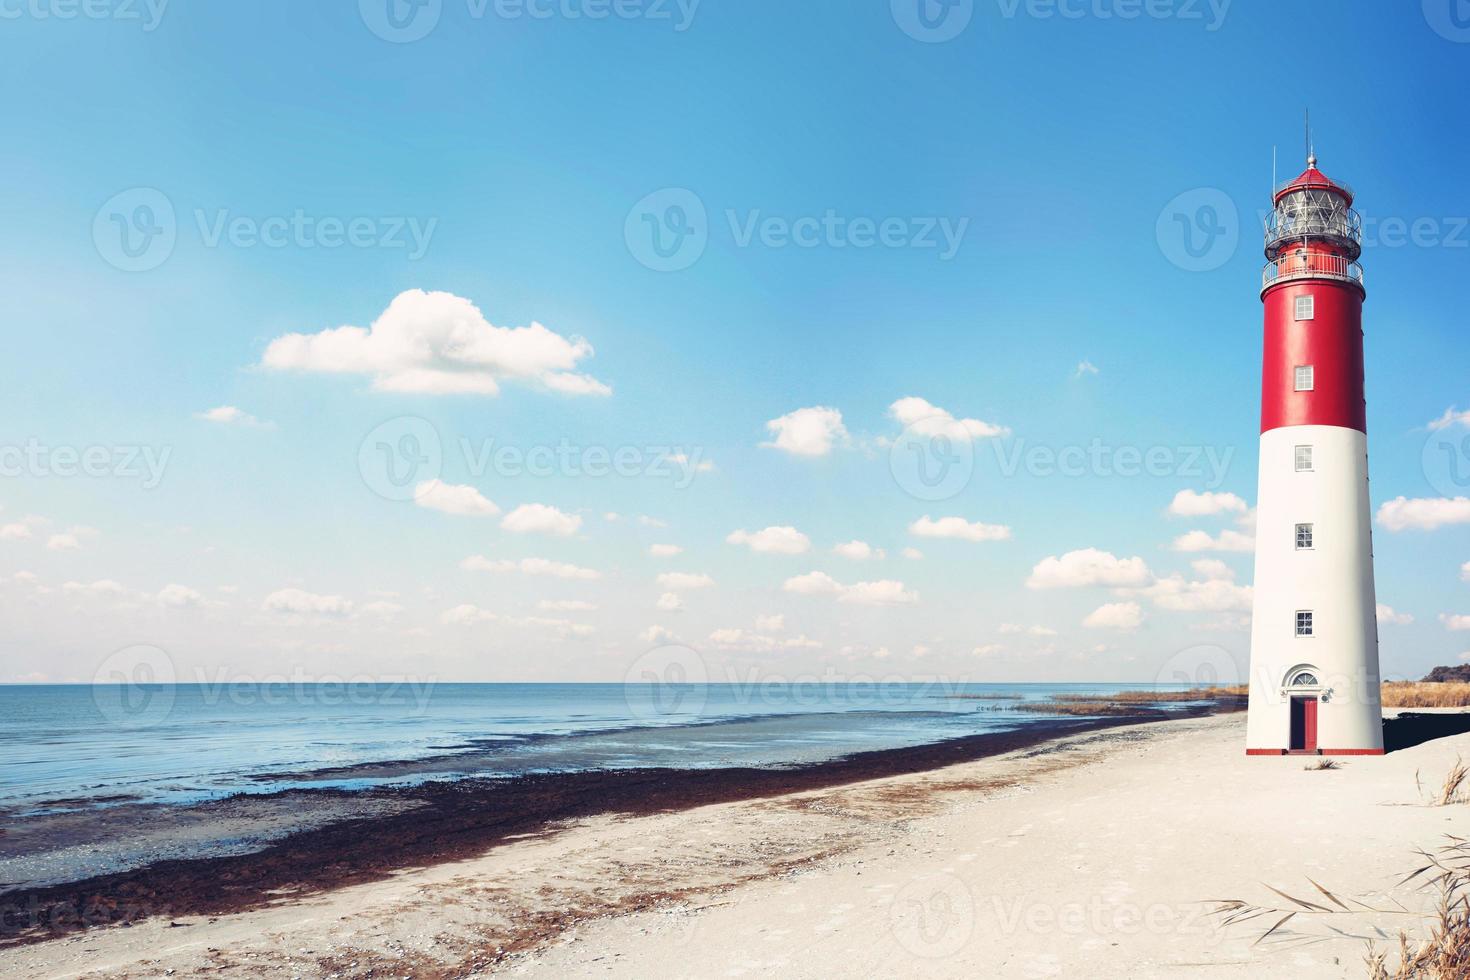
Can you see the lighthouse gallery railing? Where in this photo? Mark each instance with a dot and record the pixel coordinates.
(1311, 265)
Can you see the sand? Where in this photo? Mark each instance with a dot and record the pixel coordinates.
(1094, 856)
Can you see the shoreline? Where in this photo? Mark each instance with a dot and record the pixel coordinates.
(1104, 852)
(362, 836)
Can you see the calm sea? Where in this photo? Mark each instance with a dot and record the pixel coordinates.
(79, 745)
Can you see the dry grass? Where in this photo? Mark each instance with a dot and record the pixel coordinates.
(1322, 765)
(1453, 789)
(1100, 707)
(1442, 954)
(1160, 697)
(1445, 953)
(1420, 694)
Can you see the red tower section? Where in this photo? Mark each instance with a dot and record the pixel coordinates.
(1313, 295)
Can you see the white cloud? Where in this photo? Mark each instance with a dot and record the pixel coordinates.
(1451, 416)
(887, 592)
(101, 588)
(1226, 540)
(881, 593)
(1213, 568)
(958, 528)
(457, 499)
(1187, 503)
(807, 431)
(179, 596)
(1224, 624)
(1084, 368)
(987, 649)
(775, 623)
(382, 609)
(1016, 629)
(857, 551)
(670, 602)
(647, 521)
(1088, 566)
(467, 615)
(565, 605)
(747, 642)
(1424, 513)
(665, 550)
(691, 464)
(772, 540)
(63, 542)
(1212, 595)
(924, 419)
(684, 581)
(529, 566)
(541, 519)
(1465, 572)
(439, 343)
(472, 615)
(1456, 623)
(301, 603)
(17, 530)
(813, 583)
(913, 554)
(1388, 616)
(1125, 616)
(657, 634)
(230, 415)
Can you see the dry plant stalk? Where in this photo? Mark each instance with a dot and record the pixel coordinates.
(1443, 954)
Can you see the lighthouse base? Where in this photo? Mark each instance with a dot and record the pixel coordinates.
(1314, 752)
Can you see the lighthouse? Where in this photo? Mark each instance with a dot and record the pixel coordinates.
(1314, 634)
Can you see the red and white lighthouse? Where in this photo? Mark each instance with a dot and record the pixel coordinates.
(1314, 634)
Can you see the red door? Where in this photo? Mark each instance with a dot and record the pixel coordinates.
(1304, 724)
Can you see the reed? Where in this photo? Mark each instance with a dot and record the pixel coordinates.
(1441, 951)
(1422, 694)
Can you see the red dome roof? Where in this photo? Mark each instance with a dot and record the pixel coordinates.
(1313, 179)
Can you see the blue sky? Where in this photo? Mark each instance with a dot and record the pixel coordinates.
(513, 160)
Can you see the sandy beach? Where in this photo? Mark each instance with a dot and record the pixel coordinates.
(1099, 854)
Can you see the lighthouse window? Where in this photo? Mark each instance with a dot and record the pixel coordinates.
(1306, 377)
(1304, 537)
(1306, 307)
(1304, 623)
(1304, 459)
